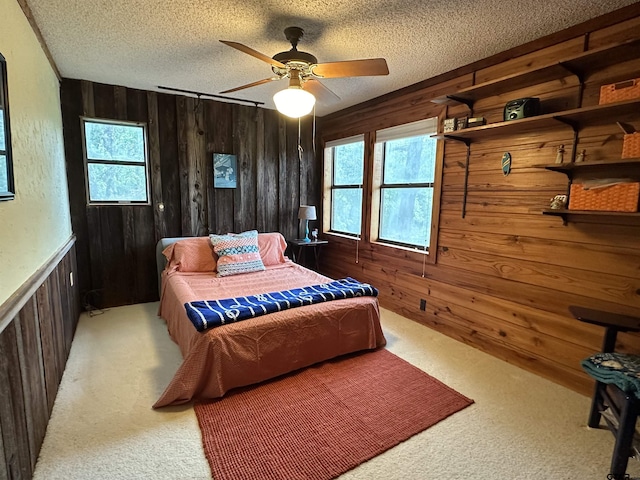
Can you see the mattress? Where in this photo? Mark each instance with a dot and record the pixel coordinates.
(257, 349)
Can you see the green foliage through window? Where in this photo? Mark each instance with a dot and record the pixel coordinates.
(406, 191)
(4, 183)
(2, 141)
(346, 210)
(106, 141)
(409, 160)
(346, 190)
(116, 162)
(120, 183)
(405, 215)
(348, 164)
(403, 184)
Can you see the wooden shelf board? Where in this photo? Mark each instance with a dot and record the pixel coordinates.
(567, 167)
(578, 117)
(504, 84)
(601, 114)
(597, 217)
(492, 130)
(594, 213)
(583, 65)
(597, 59)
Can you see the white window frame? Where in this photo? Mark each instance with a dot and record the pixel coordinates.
(329, 186)
(429, 127)
(87, 161)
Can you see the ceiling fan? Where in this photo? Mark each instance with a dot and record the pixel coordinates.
(303, 71)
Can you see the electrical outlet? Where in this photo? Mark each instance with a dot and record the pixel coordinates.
(71, 279)
(423, 304)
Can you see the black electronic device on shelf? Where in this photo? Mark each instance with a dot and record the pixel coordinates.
(521, 108)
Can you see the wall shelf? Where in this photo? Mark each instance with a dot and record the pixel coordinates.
(582, 65)
(591, 216)
(628, 168)
(570, 167)
(576, 118)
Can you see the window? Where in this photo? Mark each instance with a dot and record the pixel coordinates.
(115, 155)
(344, 171)
(7, 190)
(404, 170)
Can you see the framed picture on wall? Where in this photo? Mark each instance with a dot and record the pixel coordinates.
(225, 168)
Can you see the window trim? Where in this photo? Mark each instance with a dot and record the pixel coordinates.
(329, 186)
(86, 162)
(396, 132)
(10, 193)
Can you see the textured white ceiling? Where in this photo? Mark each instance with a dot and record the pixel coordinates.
(147, 43)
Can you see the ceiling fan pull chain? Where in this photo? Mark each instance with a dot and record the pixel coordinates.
(300, 150)
(313, 132)
(424, 261)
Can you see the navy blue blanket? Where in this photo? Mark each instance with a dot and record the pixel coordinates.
(206, 314)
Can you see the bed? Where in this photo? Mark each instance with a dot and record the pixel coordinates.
(256, 349)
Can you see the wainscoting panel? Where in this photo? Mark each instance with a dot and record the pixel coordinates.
(37, 325)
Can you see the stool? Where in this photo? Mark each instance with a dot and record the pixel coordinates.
(624, 406)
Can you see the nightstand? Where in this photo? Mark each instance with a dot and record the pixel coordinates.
(299, 250)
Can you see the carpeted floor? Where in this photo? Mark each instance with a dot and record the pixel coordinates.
(520, 427)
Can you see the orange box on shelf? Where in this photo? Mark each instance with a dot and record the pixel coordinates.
(621, 197)
(631, 145)
(618, 92)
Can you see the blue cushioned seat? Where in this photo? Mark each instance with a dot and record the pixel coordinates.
(619, 369)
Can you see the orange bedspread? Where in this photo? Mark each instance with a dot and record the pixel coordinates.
(261, 348)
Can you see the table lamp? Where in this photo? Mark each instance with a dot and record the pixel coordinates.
(306, 213)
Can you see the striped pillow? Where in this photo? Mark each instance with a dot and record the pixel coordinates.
(238, 253)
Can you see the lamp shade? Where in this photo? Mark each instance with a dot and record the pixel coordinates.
(294, 102)
(307, 212)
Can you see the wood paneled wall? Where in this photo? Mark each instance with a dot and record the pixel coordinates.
(116, 244)
(37, 325)
(504, 274)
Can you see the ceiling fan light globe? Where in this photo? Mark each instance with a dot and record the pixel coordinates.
(294, 102)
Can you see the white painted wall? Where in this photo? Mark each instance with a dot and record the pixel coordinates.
(37, 223)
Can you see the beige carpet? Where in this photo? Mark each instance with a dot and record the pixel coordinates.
(520, 427)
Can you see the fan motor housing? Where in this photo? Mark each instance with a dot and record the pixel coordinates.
(295, 55)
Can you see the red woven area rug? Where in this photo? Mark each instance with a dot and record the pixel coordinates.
(320, 422)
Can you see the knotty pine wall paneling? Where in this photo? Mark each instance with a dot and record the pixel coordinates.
(116, 244)
(504, 274)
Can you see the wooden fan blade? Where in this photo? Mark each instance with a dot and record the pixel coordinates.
(320, 91)
(254, 84)
(351, 68)
(254, 53)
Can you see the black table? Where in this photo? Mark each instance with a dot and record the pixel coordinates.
(613, 323)
(299, 248)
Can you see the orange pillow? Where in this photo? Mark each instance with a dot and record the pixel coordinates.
(191, 255)
(272, 247)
